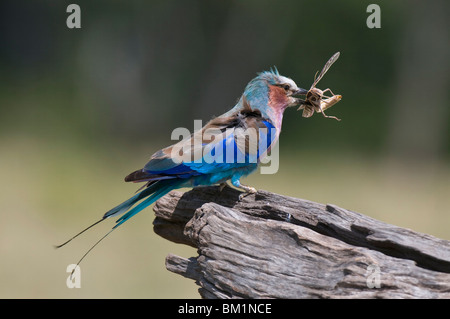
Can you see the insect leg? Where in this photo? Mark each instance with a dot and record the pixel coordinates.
(329, 90)
(327, 116)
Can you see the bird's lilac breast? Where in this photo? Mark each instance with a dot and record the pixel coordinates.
(278, 102)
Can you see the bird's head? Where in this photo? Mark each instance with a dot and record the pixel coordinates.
(272, 91)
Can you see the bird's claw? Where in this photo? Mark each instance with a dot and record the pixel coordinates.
(222, 186)
(248, 191)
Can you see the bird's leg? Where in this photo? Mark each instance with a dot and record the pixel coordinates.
(248, 189)
(222, 186)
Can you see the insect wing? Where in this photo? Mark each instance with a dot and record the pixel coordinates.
(326, 68)
(308, 111)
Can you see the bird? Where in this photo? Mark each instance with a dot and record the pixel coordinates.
(228, 148)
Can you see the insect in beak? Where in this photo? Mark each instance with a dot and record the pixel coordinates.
(316, 101)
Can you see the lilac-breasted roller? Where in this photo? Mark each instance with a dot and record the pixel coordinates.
(228, 147)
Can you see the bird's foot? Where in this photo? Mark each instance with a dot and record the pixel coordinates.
(222, 186)
(248, 191)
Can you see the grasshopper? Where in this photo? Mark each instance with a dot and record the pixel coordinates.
(315, 100)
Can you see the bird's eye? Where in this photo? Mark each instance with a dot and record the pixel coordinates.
(286, 87)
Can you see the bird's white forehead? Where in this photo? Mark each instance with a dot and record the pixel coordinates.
(285, 80)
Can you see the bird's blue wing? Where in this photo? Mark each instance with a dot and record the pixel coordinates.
(225, 143)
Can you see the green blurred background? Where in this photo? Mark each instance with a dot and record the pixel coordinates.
(82, 108)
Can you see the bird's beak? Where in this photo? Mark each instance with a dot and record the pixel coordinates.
(300, 91)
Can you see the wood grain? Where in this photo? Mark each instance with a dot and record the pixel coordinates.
(273, 246)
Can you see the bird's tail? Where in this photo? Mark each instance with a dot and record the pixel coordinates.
(158, 190)
(146, 197)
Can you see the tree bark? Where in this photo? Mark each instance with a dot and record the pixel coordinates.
(273, 246)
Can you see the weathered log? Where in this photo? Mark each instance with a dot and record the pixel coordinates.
(272, 246)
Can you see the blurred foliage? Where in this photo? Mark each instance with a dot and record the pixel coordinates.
(82, 108)
(140, 68)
